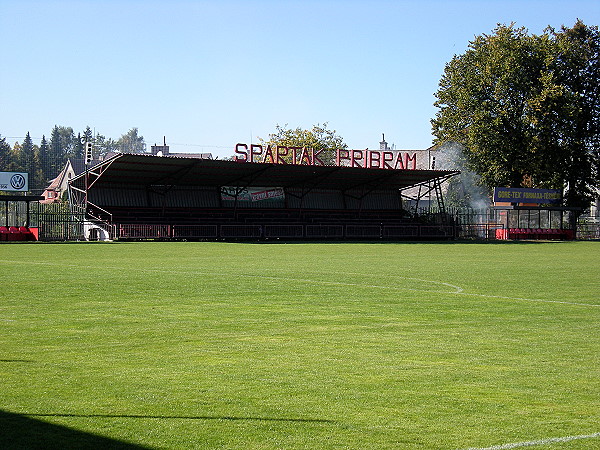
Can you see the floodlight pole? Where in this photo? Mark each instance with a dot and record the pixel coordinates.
(85, 195)
(88, 156)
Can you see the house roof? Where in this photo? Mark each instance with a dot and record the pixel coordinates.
(148, 170)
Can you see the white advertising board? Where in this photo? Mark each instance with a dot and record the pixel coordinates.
(14, 181)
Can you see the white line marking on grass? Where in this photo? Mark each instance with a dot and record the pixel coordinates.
(457, 289)
(539, 442)
(527, 299)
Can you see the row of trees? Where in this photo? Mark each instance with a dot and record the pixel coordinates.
(526, 109)
(44, 162)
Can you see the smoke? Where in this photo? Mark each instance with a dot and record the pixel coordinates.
(462, 190)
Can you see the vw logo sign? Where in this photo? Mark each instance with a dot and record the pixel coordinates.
(17, 181)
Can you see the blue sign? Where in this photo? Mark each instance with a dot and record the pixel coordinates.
(527, 195)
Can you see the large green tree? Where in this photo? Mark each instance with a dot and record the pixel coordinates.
(319, 137)
(576, 64)
(526, 108)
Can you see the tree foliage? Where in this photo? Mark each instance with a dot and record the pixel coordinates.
(4, 154)
(131, 142)
(104, 145)
(319, 137)
(526, 108)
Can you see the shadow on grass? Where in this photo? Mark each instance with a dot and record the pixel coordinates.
(147, 416)
(24, 432)
(18, 431)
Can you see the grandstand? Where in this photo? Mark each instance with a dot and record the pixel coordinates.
(135, 196)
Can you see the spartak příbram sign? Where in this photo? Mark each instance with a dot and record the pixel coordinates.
(368, 159)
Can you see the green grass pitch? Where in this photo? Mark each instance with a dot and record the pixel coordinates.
(300, 345)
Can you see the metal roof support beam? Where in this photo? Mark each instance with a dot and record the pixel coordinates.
(375, 183)
(315, 180)
(247, 179)
(314, 184)
(171, 179)
(98, 170)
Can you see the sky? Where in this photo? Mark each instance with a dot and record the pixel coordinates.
(205, 75)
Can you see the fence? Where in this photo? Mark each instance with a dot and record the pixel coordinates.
(13, 213)
(55, 222)
(281, 231)
(588, 228)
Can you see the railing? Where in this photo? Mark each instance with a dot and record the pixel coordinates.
(57, 223)
(281, 231)
(61, 230)
(588, 231)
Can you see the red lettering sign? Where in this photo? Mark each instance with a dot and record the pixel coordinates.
(241, 149)
(341, 155)
(367, 159)
(269, 158)
(281, 152)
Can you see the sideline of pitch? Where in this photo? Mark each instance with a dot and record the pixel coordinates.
(538, 442)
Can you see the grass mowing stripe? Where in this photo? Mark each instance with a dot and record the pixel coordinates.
(546, 441)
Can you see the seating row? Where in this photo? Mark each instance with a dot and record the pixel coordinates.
(16, 234)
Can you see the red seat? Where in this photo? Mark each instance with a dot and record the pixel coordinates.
(4, 234)
(26, 234)
(14, 234)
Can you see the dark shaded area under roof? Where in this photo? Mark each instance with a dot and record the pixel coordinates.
(147, 170)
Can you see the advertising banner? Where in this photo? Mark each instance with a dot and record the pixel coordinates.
(527, 195)
(256, 194)
(14, 181)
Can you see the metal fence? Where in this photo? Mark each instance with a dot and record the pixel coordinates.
(588, 228)
(56, 222)
(13, 214)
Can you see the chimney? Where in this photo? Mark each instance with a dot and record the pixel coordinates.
(163, 149)
(383, 145)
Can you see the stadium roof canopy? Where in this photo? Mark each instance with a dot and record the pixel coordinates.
(148, 170)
